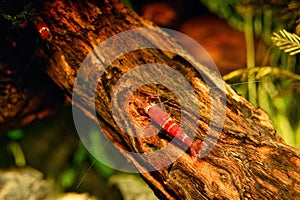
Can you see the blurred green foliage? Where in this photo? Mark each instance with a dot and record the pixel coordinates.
(15, 134)
(97, 145)
(18, 12)
(14, 147)
(69, 177)
(128, 3)
(274, 86)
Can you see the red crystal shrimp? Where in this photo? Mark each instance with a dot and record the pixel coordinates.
(42, 28)
(163, 119)
(45, 34)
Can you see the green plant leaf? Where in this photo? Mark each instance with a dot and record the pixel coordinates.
(68, 178)
(15, 134)
(128, 3)
(286, 41)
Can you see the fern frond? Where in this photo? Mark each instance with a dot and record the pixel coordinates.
(288, 42)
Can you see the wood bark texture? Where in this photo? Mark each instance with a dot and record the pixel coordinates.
(22, 100)
(249, 160)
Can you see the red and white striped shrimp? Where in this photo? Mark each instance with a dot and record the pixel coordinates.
(163, 119)
(42, 28)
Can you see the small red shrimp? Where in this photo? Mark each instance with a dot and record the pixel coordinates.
(163, 119)
(42, 28)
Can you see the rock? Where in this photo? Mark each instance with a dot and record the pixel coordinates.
(28, 183)
(75, 196)
(24, 183)
(132, 187)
